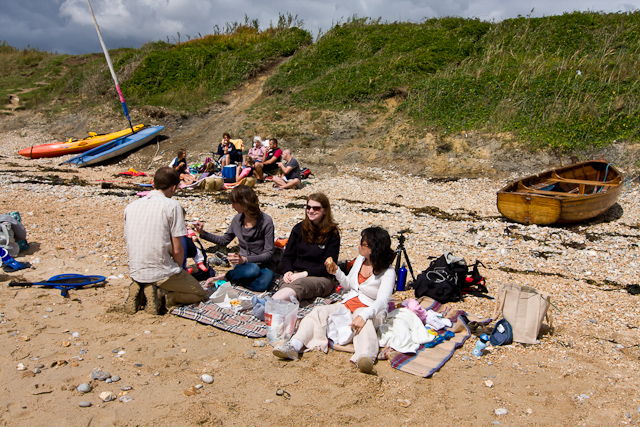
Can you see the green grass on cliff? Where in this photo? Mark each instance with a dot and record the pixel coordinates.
(560, 82)
(186, 76)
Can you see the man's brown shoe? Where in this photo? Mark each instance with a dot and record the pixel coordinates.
(153, 303)
(133, 300)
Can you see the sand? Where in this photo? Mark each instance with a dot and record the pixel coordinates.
(585, 371)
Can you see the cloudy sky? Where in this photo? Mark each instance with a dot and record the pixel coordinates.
(65, 26)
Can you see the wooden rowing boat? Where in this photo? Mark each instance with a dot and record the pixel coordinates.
(73, 147)
(564, 195)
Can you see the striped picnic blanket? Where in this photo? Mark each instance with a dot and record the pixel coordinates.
(242, 323)
(428, 360)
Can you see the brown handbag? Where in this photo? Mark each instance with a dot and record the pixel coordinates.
(524, 308)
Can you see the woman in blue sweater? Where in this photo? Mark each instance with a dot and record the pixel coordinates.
(310, 243)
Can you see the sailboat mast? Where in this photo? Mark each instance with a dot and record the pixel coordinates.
(113, 73)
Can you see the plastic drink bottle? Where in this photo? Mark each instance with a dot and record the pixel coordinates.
(480, 345)
(402, 278)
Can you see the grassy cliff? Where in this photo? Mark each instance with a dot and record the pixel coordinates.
(560, 82)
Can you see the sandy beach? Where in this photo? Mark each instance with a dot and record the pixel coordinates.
(584, 371)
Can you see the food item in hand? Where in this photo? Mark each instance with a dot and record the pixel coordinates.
(330, 264)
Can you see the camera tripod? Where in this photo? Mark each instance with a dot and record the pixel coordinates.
(400, 250)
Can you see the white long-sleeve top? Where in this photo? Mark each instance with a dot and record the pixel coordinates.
(374, 292)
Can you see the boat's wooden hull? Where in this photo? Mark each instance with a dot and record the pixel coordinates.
(116, 147)
(565, 195)
(73, 147)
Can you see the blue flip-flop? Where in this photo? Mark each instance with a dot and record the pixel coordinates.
(9, 264)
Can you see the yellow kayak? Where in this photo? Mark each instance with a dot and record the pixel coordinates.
(77, 146)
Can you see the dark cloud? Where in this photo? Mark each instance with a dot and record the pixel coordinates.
(65, 26)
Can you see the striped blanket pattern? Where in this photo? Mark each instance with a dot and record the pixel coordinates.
(242, 323)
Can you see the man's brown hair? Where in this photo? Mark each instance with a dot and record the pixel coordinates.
(165, 177)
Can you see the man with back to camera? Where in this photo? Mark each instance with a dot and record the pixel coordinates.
(153, 228)
(290, 168)
(271, 158)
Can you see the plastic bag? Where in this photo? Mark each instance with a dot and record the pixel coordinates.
(13, 234)
(7, 239)
(227, 297)
(280, 317)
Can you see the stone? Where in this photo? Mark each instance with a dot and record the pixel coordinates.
(191, 391)
(99, 375)
(21, 367)
(405, 403)
(84, 388)
(84, 404)
(501, 411)
(107, 396)
(207, 378)
(115, 378)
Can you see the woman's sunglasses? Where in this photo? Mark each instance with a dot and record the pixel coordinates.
(314, 208)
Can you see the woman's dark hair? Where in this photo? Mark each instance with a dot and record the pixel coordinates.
(379, 242)
(165, 177)
(247, 198)
(181, 153)
(318, 234)
(226, 134)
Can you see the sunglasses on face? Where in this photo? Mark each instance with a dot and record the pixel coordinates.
(314, 208)
(364, 244)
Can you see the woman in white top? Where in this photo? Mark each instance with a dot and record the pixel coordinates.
(369, 286)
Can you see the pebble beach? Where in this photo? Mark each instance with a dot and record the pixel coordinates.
(585, 370)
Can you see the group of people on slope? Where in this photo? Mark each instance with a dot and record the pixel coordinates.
(262, 160)
(154, 227)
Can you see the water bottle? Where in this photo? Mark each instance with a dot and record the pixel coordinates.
(480, 345)
(402, 278)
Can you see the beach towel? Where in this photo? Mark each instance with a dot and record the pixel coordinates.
(429, 359)
(133, 172)
(243, 323)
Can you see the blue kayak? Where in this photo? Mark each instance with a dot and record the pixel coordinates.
(116, 147)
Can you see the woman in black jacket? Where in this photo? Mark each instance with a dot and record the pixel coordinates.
(311, 242)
